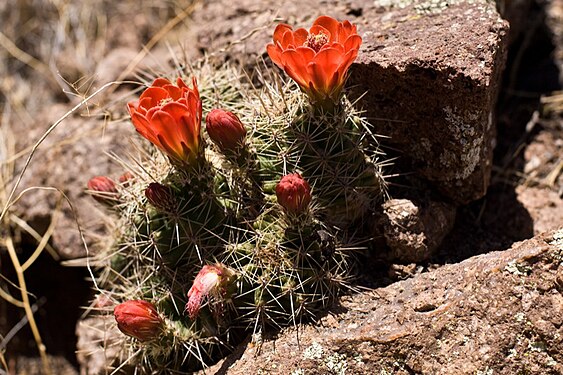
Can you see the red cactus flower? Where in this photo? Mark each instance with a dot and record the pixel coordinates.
(293, 193)
(138, 319)
(103, 189)
(211, 280)
(318, 59)
(225, 129)
(170, 117)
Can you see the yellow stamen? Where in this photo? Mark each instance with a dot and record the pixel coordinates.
(164, 101)
(316, 41)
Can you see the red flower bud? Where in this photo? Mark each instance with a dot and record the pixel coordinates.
(225, 129)
(294, 193)
(138, 319)
(125, 178)
(211, 280)
(103, 190)
(160, 196)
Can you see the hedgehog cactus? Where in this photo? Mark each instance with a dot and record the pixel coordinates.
(225, 238)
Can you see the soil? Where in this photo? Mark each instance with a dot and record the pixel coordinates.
(524, 198)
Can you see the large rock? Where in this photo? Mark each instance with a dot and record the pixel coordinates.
(413, 229)
(498, 313)
(430, 72)
(431, 81)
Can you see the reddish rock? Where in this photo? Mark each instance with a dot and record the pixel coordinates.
(79, 60)
(75, 152)
(431, 84)
(431, 71)
(498, 313)
(413, 230)
(544, 206)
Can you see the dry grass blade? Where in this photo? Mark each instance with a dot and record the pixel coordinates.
(33, 233)
(7, 202)
(27, 306)
(552, 177)
(45, 239)
(553, 103)
(3, 361)
(155, 39)
(27, 58)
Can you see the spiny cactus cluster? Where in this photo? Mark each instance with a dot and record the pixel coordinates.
(225, 233)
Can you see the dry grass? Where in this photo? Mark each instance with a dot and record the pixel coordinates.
(49, 51)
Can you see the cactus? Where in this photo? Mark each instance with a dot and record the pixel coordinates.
(244, 228)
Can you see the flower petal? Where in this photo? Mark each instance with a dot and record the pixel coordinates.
(181, 84)
(143, 126)
(160, 82)
(166, 130)
(347, 61)
(300, 36)
(318, 29)
(174, 92)
(275, 54)
(323, 67)
(347, 30)
(155, 94)
(330, 24)
(132, 106)
(353, 42)
(190, 129)
(175, 110)
(295, 66)
(145, 103)
(287, 40)
(308, 54)
(186, 126)
(169, 149)
(280, 31)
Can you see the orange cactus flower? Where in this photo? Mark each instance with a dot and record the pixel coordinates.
(318, 59)
(169, 116)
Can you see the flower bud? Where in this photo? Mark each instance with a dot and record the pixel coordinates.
(294, 193)
(138, 319)
(211, 280)
(125, 179)
(225, 129)
(160, 196)
(103, 190)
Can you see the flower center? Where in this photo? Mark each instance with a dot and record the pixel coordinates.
(164, 101)
(316, 41)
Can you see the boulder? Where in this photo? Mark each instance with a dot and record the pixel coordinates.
(500, 313)
(428, 74)
(413, 229)
(431, 77)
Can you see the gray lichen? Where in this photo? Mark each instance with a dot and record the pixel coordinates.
(463, 133)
